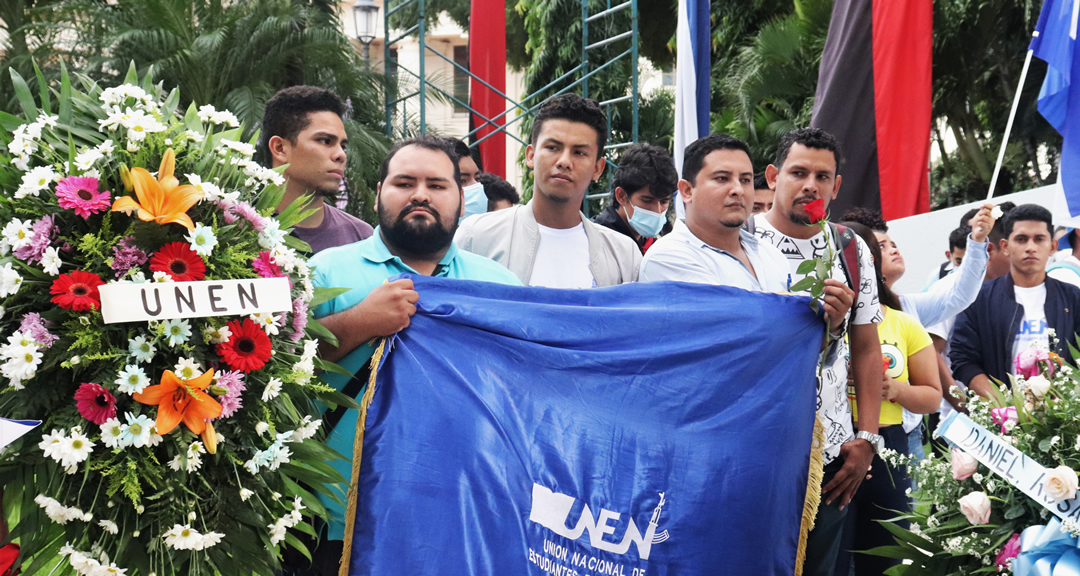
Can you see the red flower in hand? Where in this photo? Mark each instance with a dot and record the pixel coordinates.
(815, 210)
(178, 260)
(77, 291)
(248, 348)
(886, 363)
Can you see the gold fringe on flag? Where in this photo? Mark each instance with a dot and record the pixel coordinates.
(813, 492)
(358, 451)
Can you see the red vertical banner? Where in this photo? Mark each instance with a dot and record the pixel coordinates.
(903, 54)
(487, 61)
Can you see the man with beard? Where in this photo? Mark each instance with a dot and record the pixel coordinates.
(419, 201)
(806, 170)
(302, 128)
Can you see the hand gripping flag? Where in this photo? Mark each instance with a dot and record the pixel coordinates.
(1059, 98)
(640, 429)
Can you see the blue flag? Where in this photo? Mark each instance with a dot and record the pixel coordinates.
(693, 75)
(1059, 98)
(646, 428)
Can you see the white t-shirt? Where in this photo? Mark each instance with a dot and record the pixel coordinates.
(1033, 329)
(832, 400)
(562, 259)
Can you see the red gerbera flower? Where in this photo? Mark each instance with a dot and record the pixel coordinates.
(248, 348)
(77, 291)
(178, 260)
(95, 403)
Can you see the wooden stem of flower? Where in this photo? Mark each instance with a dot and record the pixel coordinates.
(358, 452)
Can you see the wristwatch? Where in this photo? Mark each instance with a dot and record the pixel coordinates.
(875, 440)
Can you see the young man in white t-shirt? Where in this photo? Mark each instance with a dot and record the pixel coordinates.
(805, 169)
(549, 242)
(1016, 311)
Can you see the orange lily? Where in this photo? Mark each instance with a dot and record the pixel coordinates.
(161, 200)
(181, 400)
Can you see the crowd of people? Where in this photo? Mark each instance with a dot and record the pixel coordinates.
(894, 362)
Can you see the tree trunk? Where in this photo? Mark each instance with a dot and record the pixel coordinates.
(1033, 159)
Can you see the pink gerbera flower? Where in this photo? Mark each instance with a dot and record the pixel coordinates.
(265, 267)
(80, 193)
(95, 403)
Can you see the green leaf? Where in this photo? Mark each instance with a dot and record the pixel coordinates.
(327, 366)
(295, 542)
(802, 285)
(338, 399)
(326, 295)
(821, 269)
(898, 552)
(316, 330)
(22, 92)
(805, 267)
(43, 89)
(132, 76)
(1044, 444)
(191, 119)
(1016, 511)
(65, 95)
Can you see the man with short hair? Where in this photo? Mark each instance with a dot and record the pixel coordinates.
(645, 182)
(805, 170)
(475, 200)
(1016, 311)
(500, 193)
(763, 195)
(710, 246)
(419, 202)
(302, 127)
(549, 242)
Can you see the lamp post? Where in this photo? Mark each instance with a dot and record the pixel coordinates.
(365, 16)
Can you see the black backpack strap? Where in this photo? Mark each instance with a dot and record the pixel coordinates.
(943, 271)
(353, 389)
(849, 262)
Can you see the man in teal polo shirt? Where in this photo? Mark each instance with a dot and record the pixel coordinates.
(419, 202)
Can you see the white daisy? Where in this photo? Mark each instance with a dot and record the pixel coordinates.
(187, 368)
(202, 239)
(109, 526)
(182, 537)
(273, 388)
(162, 276)
(132, 379)
(85, 160)
(18, 233)
(268, 322)
(139, 124)
(271, 235)
(76, 448)
(245, 494)
(139, 431)
(141, 349)
(22, 362)
(217, 335)
(177, 331)
(106, 148)
(10, 281)
(35, 181)
(50, 261)
(112, 433)
(52, 442)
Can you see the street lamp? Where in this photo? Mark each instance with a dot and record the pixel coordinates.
(365, 16)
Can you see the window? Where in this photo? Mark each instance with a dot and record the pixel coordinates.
(461, 79)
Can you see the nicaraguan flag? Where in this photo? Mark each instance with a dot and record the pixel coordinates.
(692, 68)
(12, 430)
(640, 429)
(1059, 99)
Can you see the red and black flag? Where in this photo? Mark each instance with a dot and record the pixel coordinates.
(874, 95)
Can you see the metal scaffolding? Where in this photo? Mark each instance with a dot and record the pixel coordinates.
(397, 121)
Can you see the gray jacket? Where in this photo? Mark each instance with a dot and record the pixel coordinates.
(511, 237)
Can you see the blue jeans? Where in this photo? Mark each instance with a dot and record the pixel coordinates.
(823, 542)
(915, 448)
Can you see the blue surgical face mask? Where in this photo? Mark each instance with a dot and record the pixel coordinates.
(476, 201)
(646, 222)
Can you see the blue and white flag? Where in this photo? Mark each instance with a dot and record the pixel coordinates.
(1059, 98)
(646, 428)
(12, 430)
(692, 72)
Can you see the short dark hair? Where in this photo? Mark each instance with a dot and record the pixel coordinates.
(1028, 212)
(870, 218)
(997, 233)
(575, 109)
(462, 150)
(958, 238)
(496, 189)
(286, 114)
(645, 165)
(811, 138)
(694, 156)
(761, 182)
(966, 218)
(427, 143)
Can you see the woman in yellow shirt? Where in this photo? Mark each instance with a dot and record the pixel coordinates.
(910, 381)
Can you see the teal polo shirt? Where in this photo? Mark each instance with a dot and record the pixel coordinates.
(363, 266)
